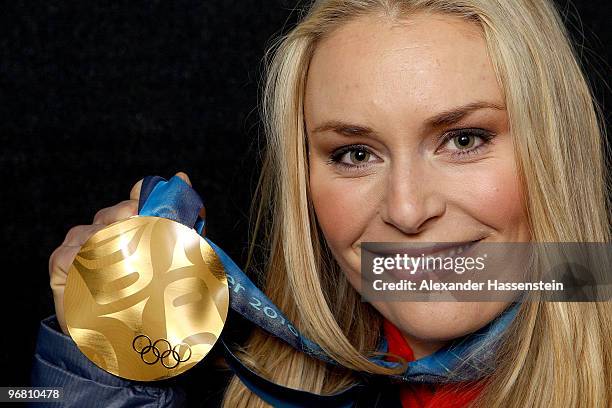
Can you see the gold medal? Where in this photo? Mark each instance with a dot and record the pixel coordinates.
(146, 298)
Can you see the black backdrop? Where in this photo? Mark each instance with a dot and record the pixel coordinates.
(96, 95)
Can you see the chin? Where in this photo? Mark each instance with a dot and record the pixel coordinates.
(439, 321)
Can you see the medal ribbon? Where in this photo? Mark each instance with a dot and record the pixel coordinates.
(176, 200)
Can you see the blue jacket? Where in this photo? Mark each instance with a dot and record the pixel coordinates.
(59, 363)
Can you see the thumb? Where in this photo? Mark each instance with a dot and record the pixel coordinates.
(183, 177)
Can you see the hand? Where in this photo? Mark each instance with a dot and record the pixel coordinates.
(61, 259)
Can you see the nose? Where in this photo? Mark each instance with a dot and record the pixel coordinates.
(412, 199)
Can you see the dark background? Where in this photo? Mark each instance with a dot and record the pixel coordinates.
(96, 95)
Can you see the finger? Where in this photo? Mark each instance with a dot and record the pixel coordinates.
(121, 211)
(184, 177)
(59, 263)
(78, 235)
(135, 192)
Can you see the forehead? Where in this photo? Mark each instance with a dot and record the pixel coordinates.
(375, 68)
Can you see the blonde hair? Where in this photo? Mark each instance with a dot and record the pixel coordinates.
(555, 353)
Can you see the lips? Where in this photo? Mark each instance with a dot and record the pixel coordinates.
(413, 249)
(416, 250)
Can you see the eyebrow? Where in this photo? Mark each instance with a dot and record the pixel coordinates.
(445, 118)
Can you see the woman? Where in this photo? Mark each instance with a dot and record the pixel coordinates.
(422, 121)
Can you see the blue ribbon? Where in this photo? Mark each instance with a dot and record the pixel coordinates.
(176, 200)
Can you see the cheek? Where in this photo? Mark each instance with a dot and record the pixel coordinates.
(492, 196)
(496, 194)
(342, 211)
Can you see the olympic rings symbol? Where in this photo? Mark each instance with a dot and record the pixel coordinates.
(157, 353)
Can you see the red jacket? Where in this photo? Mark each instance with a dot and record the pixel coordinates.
(422, 395)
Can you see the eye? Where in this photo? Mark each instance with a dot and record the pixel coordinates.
(466, 141)
(352, 156)
(357, 156)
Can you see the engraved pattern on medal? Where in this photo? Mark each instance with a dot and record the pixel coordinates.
(149, 276)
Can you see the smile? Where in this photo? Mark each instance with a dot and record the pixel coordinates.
(404, 262)
(412, 249)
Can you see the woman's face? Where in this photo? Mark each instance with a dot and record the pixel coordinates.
(409, 142)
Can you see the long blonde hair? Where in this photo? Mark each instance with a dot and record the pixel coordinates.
(555, 353)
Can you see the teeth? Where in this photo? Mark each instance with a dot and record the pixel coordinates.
(454, 251)
(450, 253)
